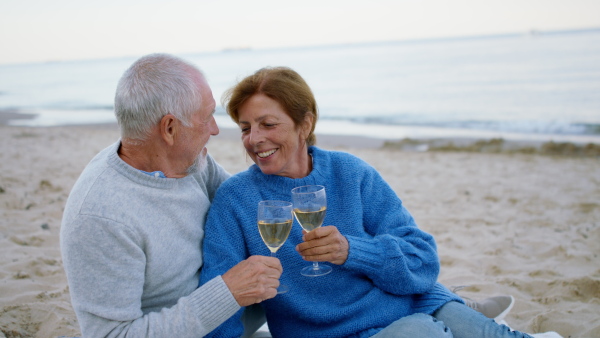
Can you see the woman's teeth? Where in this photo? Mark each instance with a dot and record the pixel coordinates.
(266, 153)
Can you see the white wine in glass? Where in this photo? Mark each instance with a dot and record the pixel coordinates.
(274, 225)
(310, 206)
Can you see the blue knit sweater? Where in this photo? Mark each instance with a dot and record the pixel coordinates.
(392, 266)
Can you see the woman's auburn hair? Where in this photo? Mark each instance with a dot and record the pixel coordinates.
(281, 84)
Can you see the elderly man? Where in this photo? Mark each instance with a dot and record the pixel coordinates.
(133, 224)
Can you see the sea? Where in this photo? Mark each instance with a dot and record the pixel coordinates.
(539, 86)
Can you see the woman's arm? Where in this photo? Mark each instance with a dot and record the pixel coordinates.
(398, 256)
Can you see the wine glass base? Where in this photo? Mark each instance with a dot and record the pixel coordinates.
(282, 289)
(311, 271)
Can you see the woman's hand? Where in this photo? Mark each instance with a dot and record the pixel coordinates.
(324, 244)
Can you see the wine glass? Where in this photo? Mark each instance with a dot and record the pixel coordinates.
(274, 225)
(310, 205)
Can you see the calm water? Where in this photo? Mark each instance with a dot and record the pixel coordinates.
(544, 86)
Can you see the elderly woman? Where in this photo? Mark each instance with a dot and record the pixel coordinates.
(384, 278)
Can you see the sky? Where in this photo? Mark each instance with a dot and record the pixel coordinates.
(59, 30)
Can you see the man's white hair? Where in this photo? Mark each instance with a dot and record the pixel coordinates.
(154, 86)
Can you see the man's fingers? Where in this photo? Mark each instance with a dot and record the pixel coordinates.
(254, 279)
(269, 262)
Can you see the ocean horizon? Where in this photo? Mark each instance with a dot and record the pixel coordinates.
(538, 86)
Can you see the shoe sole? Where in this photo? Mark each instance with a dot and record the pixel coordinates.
(503, 314)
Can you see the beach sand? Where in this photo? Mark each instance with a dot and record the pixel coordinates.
(520, 224)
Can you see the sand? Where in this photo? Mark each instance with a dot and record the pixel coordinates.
(521, 224)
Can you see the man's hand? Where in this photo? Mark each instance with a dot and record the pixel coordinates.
(254, 279)
(324, 244)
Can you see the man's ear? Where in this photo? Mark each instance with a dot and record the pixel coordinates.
(168, 128)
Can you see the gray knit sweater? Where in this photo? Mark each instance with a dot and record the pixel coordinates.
(131, 247)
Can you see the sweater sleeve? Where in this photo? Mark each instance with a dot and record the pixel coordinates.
(105, 266)
(224, 247)
(395, 254)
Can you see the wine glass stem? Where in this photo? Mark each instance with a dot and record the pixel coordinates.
(315, 266)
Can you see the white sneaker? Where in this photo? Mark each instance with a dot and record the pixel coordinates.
(549, 334)
(494, 307)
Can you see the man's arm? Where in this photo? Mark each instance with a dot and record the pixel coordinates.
(105, 266)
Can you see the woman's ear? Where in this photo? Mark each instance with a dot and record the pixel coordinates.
(307, 125)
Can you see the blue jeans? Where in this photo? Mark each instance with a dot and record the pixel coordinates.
(417, 325)
(453, 319)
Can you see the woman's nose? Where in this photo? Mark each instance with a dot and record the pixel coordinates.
(255, 136)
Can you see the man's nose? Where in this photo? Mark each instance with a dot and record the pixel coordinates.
(214, 128)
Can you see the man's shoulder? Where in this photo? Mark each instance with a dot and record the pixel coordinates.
(92, 179)
(92, 170)
(211, 177)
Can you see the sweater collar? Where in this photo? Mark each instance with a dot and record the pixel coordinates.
(136, 175)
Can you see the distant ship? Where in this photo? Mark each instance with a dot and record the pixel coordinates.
(236, 49)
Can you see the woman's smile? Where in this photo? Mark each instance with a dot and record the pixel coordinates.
(266, 154)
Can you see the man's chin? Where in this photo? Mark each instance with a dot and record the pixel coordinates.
(199, 164)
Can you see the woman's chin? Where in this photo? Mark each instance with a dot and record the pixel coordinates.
(267, 170)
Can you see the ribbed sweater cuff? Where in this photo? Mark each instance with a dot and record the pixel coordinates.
(214, 303)
(364, 255)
